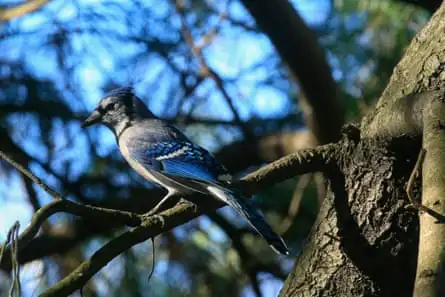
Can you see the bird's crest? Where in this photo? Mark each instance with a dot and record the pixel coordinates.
(120, 92)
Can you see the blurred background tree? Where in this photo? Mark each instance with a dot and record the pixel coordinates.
(245, 81)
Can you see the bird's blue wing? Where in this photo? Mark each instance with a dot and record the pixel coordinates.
(180, 158)
(187, 165)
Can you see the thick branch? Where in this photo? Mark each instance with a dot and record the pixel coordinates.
(401, 116)
(420, 114)
(150, 227)
(415, 115)
(431, 258)
(306, 161)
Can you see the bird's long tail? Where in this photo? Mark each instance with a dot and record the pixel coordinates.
(255, 219)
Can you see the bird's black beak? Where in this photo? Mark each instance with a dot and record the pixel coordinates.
(93, 119)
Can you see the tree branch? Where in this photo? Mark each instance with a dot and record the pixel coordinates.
(318, 159)
(7, 14)
(53, 193)
(127, 218)
(263, 149)
(420, 114)
(309, 161)
(431, 258)
(150, 227)
(295, 203)
(208, 71)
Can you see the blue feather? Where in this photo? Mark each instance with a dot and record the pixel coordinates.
(181, 158)
(120, 92)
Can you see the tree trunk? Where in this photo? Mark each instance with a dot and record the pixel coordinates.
(365, 240)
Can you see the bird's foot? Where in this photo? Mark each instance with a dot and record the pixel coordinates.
(188, 203)
(155, 217)
(160, 219)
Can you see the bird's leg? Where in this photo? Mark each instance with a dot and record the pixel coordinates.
(153, 212)
(157, 208)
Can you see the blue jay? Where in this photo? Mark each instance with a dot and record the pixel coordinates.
(163, 155)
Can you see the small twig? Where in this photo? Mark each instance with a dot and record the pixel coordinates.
(62, 205)
(153, 259)
(21, 9)
(12, 240)
(7, 241)
(409, 189)
(53, 193)
(150, 227)
(412, 178)
(318, 159)
(319, 181)
(209, 36)
(15, 261)
(127, 218)
(294, 206)
(207, 70)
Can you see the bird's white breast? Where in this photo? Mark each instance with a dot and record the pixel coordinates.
(137, 166)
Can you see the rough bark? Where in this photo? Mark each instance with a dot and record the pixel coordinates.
(431, 256)
(365, 242)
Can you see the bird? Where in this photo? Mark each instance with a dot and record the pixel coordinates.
(163, 155)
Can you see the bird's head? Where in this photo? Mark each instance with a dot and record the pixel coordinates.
(117, 108)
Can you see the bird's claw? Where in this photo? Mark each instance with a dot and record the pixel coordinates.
(188, 203)
(156, 217)
(160, 219)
